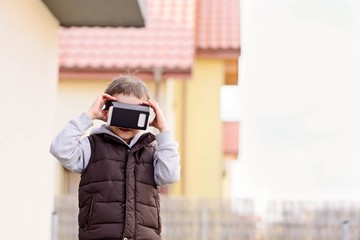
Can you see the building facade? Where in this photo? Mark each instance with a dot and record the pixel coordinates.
(185, 54)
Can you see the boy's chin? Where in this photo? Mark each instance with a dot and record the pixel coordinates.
(124, 133)
(125, 129)
(120, 129)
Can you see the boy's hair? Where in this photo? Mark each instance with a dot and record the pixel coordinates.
(128, 85)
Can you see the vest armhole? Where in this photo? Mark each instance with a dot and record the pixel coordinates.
(92, 147)
(154, 145)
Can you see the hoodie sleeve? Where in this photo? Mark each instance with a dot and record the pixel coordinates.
(166, 160)
(70, 147)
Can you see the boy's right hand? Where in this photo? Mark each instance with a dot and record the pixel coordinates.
(96, 110)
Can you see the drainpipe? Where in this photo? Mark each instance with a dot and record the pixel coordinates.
(54, 226)
(157, 74)
(345, 230)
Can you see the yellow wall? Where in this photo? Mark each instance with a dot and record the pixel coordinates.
(179, 130)
(202, 130)
(192, 108)
(28, 78)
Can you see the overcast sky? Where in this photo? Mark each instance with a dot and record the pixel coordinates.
(299, 103)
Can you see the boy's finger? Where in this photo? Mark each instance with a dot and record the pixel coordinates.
(154, 104)
(154, 101)
(107, 96)
(146, 103)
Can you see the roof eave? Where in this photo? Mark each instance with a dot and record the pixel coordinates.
(146, 74)
(109, 13)
(224, 53)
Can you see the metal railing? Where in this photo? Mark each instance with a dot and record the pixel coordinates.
(207, 219)
(212, 219)
(182, 218)
(300, 220)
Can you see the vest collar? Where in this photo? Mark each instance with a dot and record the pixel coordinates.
(143, 140)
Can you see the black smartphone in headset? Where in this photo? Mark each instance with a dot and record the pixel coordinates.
(126, 115)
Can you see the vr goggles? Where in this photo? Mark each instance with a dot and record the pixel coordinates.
(127, 115)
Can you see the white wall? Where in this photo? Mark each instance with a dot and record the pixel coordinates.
(28, 78)
(300, 92)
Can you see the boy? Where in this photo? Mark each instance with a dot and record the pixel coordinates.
(120, 168)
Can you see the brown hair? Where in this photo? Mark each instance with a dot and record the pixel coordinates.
(128, 85)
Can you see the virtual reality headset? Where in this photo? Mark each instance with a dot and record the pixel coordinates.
(127, 115)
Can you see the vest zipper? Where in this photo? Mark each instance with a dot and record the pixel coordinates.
(87, 224)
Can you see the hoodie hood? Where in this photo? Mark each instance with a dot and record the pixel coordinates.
(105, 129)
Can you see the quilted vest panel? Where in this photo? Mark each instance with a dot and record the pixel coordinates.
(118, 196)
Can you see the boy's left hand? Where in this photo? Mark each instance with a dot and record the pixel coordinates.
(159, 121)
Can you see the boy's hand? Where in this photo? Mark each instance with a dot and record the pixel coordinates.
(96, 111)
(159, 121)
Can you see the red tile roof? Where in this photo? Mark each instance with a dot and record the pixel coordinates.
(167, 42)
(218, 27)
(231, 138)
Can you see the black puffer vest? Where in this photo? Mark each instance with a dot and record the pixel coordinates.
(118, 196)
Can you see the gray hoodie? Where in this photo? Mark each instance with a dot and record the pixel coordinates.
(73, 150)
